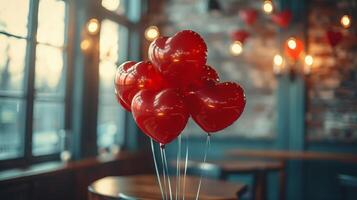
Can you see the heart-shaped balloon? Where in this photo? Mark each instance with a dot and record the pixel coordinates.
(217, 107)
(240, 35)
(334, 37)
(160, 115)
(121, 102)
(182, 74)
(207, 77)
(282, 19)
(249, 16)
(132, 77)
(185, 45)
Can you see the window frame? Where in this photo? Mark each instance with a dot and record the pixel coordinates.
(28, 95)
(80, 68)
(124, 21)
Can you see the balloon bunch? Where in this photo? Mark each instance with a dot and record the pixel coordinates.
(175, 84)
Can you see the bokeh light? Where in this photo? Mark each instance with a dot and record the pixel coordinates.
(278, 60)
(236, 48)
(111, 5)
(268, 7)
(309, 60)
(151, 33)
(85, 44)
(346, 21)
(292, 43)
(93, 26)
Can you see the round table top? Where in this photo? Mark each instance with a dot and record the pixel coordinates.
(146, 187)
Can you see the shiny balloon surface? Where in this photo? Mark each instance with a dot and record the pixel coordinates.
(160, 115)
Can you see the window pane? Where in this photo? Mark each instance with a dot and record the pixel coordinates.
(10, 129)
(51, 22)
(47, 123)
(117, 6)
(12, 62)
(49, 70)
(111, 121)
(13, 16)
(110, 117)
(109, 41)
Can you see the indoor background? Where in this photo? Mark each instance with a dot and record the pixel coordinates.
(61, 127)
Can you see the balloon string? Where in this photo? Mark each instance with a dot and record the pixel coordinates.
(178, 171)
(185, 171)
(163, 172)
(204, 162)
(167, 173)
(156, 168)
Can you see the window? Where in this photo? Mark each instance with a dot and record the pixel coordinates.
(113, 51)
(49, 77)
(32, 77)
(13, 42)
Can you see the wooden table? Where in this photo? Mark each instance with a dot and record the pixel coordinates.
(145, 187)
(257, 168)
(294, 155)
(285, 156)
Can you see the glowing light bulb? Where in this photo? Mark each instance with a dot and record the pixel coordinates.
(268, 7)
(309, 60)
(236, 48)
(85, 44)
(345, 21)
(278, 60)
(93, 26)
(292, 43)
(278, 64)
(151, 33)
(111, 5)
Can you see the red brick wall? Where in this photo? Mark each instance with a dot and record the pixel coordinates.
(332, 86)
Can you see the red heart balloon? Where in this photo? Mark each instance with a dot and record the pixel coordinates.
(121, 102)
(240, 35)
(207, 77)
(182, 74)
(283, 18)
(181, 56)
(249, 16)
(217, 107)
(334, 37)
(160, 115)
(131, 78)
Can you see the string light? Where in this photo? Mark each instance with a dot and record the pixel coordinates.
(292, 43)
(151, 33)
(268, 7)
(111, 5)
(93, 26)
(236, 48)
(345, 21)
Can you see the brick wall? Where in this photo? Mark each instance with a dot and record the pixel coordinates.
(332, 87)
